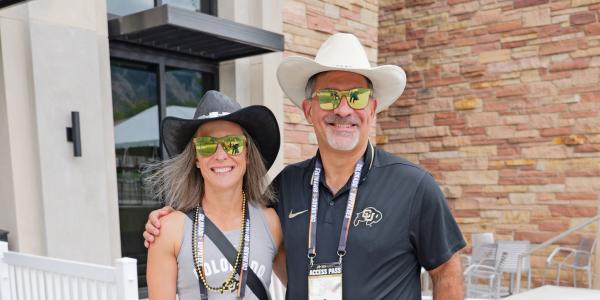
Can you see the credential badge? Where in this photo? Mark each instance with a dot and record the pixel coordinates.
(369, 215)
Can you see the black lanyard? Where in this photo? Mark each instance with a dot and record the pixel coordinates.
(312, 227)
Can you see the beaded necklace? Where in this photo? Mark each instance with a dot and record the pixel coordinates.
(241, 263)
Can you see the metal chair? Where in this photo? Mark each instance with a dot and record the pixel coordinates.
(484, 280)
(513, 249)
(575, 259)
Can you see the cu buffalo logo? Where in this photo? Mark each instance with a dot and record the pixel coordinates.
(369, 215)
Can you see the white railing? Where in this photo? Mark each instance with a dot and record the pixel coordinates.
(548, 243)
(25, 277)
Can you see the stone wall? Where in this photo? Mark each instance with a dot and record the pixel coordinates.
(306, 25)
(502, 106)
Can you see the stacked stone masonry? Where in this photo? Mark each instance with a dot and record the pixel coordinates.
(502, 107)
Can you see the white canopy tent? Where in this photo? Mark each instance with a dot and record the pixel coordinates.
(141, 130)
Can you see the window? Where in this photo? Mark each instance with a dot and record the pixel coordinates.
(126, 7)
(146, 87)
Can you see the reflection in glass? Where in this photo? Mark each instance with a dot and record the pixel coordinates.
(187, 4)
(184, 91)
(126, 7)
(135, 114)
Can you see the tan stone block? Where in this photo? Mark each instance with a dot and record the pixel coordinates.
(476, 151)
(494, 56)
(434, 131)
(459, 51)
(467, 104)
(505, 188)
(587, 52)
(537, 17)
(545, 152)
(547, 188)
(515, 217)
(522, 198)
(530, 76)
(582, 184)
(573, 164)
(500, 132)
(496, 164)
(516, 119)
(539, 121)
(483, 119)
(470, 177)
(577, 3)
(456, 141)
(450, 26)
(490, 214)
(519, 162)
(486, 84)
(527, 134)
(468, 220)
(415, 147)
(332, 11)
(368, 17)
(439, 154)
(466, 203)
(462, 8)
(422, 120)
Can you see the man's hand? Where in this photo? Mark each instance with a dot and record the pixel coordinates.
(153, 225)
(448, 280)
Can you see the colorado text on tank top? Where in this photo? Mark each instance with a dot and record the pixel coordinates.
(216, 266)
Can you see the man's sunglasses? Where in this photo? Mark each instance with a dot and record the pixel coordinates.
(207, 145)
(330, 99)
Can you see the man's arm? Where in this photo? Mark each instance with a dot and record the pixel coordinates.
(448, 280)
(152, 228)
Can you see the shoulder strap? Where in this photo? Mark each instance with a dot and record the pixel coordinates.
(228, 250)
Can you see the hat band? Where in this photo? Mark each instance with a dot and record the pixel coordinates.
(212, 114)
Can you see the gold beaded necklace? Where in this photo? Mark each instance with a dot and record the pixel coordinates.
(231, 283)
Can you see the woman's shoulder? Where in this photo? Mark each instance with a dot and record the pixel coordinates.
(174, 219)
(172, 224)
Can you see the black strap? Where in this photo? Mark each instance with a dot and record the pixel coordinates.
(228, 250)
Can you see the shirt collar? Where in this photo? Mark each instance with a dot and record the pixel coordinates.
(368, 157)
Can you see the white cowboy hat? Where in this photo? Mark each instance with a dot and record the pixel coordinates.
(341, 52)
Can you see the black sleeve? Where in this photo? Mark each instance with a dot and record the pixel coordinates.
(276, 186)
(433, 230)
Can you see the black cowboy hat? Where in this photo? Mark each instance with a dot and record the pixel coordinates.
(257, 120)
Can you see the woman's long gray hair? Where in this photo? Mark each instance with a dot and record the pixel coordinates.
(179, 183)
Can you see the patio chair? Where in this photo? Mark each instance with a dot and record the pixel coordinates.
(575, 259)
(484, 281)
(513, 249)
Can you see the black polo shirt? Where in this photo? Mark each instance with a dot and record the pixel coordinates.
(401, 222)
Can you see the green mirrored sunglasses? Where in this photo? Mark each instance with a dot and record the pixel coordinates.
(330, 99)
(207, 145)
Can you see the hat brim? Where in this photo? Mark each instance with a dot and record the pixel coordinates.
(258, 121)
(293, 73)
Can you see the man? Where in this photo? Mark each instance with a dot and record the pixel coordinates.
(362, 217)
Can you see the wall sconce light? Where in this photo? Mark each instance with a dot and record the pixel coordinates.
(74, 134)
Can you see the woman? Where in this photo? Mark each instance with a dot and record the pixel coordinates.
(216, 173)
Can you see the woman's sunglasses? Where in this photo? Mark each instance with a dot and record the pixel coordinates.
(207, 145)
(330, 99)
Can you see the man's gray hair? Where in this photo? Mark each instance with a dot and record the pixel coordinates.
(310, 85)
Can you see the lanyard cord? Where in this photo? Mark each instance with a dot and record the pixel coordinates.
(312, 227)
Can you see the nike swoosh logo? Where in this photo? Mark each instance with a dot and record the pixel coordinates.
(295, 214)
